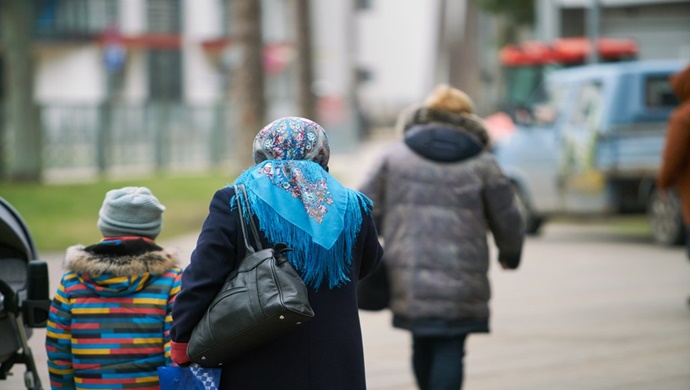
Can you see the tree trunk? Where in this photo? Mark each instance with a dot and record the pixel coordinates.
(307, 99)
(248, 79)
(440, 75)
(21, 119)
(464, 72)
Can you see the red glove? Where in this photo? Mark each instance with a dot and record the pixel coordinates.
(178, 353)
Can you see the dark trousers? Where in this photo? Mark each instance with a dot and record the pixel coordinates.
(438, 362)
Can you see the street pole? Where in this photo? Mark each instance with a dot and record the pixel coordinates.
(307, 99)
(548, 20)
(440, 75)
(593, 25)
(463, 49)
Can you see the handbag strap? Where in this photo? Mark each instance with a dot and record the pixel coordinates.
(252, 226)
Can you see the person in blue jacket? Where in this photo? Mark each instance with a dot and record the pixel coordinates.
(335, 243)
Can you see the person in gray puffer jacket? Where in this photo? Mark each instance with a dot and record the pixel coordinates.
(437, 194)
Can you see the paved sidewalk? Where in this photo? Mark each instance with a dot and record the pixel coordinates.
(351, 168)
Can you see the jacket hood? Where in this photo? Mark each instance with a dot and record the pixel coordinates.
(115, 274)
(443, 144)
(468, 123)
(680, 82)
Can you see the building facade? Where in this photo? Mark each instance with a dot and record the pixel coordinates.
(127, 86)
(660, 27)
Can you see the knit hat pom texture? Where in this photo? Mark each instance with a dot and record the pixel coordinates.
(130, 211)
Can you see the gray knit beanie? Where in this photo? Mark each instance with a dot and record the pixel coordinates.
(130, 211)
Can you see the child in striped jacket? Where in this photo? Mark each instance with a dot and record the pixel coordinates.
(110, 319)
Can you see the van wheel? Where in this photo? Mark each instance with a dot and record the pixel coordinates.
(665, 218)
(532, 222)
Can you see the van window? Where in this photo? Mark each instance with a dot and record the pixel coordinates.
(589, 106)
(546, 111)
(522, 82)
(658, 92)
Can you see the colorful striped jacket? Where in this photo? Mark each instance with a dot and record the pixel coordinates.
(110, 319)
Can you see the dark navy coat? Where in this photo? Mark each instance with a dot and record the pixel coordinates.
(326, 353)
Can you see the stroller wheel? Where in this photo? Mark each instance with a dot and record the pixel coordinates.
(29, 380)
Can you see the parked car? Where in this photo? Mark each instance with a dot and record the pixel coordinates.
(591, 144)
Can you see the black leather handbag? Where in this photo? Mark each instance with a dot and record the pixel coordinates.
(261, 300)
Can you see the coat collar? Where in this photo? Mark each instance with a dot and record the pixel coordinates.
(466, 122)
(83, 260)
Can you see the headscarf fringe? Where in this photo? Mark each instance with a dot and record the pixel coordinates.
(315, 263)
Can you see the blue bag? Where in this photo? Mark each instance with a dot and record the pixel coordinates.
(192, 377)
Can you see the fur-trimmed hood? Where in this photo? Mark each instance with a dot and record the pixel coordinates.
(469, 123)
(81, 261)
(134, 271)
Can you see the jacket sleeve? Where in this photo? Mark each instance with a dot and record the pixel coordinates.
(211, 261)
(676, 149)
(58, 336)
(374, 186)
(177, 283)
(503, 216)
(372, 252)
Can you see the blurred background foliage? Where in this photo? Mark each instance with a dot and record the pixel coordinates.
(520, 11)
(515, 13)
(62, 215)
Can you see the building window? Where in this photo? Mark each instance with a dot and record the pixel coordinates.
(164, 65)
(364, 4)
(226, 17)
(74, 18)
(164, 16)
(165, 74)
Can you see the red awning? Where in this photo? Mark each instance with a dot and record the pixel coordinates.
(615, 48)
(568, 50)
(565, 51)
(148, 41)
(277, 55)
(216, 45)
(527, 53)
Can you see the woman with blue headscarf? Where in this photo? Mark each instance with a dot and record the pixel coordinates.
(295, 201)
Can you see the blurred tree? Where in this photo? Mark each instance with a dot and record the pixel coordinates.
(248, 79)
(463, 62)
(21, 111)
(307, 99)
(515, 13)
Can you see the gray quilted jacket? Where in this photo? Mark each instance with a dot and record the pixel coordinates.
(437, 194)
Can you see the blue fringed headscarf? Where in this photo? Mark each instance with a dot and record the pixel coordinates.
(299, 203)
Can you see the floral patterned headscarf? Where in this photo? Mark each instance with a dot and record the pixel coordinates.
(299, 203)
(292, 138)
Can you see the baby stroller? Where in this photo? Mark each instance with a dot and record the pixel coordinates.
(24, 295)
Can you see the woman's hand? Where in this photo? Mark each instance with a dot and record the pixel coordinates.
(178, 353)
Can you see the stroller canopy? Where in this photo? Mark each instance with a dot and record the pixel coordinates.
(15, 239)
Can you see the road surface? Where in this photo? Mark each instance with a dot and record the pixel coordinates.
(591, 307)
